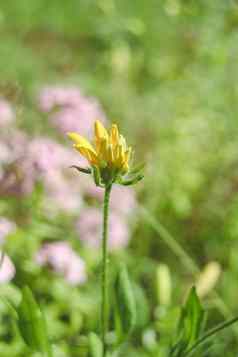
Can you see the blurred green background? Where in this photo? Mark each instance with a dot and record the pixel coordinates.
(167, 72)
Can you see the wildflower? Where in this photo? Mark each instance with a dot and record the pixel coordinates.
(109, 157)
(109, 160)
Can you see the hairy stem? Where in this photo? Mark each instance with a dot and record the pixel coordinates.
(104, 307)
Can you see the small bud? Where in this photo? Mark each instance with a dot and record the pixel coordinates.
(164, 284)
(208, 278)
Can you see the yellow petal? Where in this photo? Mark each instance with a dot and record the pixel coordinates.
(122, 142)
(110, 154)
(100, 131)
(120, 156)
(114, 135)
(90, 155)
(80, 141)
(128, 155)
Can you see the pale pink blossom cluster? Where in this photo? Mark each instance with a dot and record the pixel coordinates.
(69, 109)
(26, 161)
(64, 261)
(49, 162)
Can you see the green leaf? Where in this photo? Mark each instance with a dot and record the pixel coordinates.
(32, 325)
(95, 346)
(191, 322)
(125, 306)
(142, 306)
(11, 309)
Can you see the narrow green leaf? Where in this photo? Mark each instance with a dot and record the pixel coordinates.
(195, 316)
(125, 305)
(190, 324)
(31, 324)
(11, 309)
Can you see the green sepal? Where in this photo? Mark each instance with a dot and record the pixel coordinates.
(32, 325)
(137, 168)
(97, 176)
(82, 169)
(95, 345)
(130, 181)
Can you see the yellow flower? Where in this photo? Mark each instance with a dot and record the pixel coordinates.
(110, 150)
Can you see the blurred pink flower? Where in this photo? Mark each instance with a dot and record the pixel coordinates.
(62, 192)
(123, 200)
(5, 153)
(13, 179)
(73, 110)
(7, 270)
(6, 113)
(89, 228)
(45, 154)
(57, 96)
(50, 162)
(6, 227)
(13, 145)
(63, 260)
(43, 160)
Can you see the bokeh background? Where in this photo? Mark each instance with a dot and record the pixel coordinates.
(165, 71)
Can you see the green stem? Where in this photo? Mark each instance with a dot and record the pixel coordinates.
(209, 334)
(104, 307)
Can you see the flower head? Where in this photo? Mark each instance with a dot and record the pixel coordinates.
(109, 156)
(110, 148)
